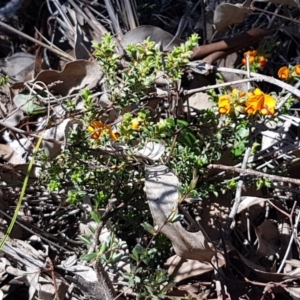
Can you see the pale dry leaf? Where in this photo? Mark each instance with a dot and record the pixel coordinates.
(11, 116)
(294, 292)
(84, 271)
(8, 154)
(294, 262)
(18, 66)
(156, 34)
(161, 186)
(152, 150)
(180, 269)
(75, 76)
(21, 147)
(268, 238)
(30, 277)
(295, 272)
(46, 291)
(60, 134)
(229, 77)
(199, 101)
(227, 14)
(248, 201)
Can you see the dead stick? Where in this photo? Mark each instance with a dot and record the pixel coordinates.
(255, 173)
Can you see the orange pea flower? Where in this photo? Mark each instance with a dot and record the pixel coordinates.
(251, 60)
(96, 128)
(284, 73)
(258, 102)
(262, 61)
(251, 53)
(224, 104)
(297, 69)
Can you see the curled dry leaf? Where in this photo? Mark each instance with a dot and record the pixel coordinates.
(152, 150)
(227, 14)
(247, 202)
(180, 269)
(75, 76)
(156, 34)
(18, 66)
(161, 186)
(294, 292)
(268, 238)
(59, 134)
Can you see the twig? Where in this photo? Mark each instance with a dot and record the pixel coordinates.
(255, 173)
(266, 78)
(36, 233)
(290, 243)
(238, 192)
(204, 88)
(104, 218)
(259, 77)
(51, 269)
(271, 13)
(27, 133)
(58, 52)
(281, 103)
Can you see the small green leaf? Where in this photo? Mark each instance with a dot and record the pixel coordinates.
(26, 103)
(177, 218)
(88, 257)
(95, 216)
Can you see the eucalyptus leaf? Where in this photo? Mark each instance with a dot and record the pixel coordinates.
(88, 257)
(148, 227)
(177, 218)
(95, 216)
(26, 104)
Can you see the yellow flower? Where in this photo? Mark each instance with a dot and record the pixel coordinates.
(135, 124)
(297, 69)
(224, 104)
(284, 73)
(238, 93)
(96, 128)
(260, 102)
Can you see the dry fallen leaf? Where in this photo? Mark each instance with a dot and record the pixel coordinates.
(156, 34)
(161, 186)
(268, 238)
(227, 14)
(180, 269)
(18, 66)
(75, 76)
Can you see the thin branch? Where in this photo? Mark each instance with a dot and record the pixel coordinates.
(290, 243)
(4, 124)
(250, 172)
(204, 88)
(259, 77)
(238, 192)
(58, 52)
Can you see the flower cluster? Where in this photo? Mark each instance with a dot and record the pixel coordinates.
(127, 127)
(287, 72)
(255, 59)
(255, 102)
(97, 129)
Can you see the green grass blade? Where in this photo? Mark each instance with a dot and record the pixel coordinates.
(14, 218)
